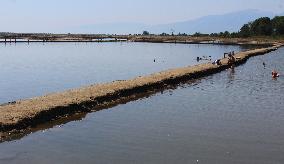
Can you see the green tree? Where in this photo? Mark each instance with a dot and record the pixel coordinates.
(226, 34)
(197, 34)
(214, 34)
(164, 34)
(278, 25)
(261, 26)
(245, 31)
(146, 33)
(234, 35)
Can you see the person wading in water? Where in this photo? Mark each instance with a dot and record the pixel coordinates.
(231, 60)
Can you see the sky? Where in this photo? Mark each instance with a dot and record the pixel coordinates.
(57, 15)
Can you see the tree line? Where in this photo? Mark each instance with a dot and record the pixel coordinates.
(263, 26)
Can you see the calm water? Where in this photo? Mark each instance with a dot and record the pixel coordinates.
(230, 117)
(37, 69)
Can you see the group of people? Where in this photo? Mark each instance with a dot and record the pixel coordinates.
(232, 53)
(232, 60)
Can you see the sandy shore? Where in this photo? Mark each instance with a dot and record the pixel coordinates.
(25, 113)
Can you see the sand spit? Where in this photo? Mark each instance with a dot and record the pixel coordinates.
(23, 114)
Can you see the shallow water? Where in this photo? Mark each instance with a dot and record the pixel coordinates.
(29, 70)
(236, 116)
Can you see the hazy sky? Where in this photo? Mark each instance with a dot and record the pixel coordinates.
(49, 15)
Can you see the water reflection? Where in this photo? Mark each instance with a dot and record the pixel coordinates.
(41, 68)
(203, 121)
(231, 74)
(16, 135)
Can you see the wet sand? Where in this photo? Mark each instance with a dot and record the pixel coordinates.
(25, 113)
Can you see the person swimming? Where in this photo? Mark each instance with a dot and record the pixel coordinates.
(275, 74)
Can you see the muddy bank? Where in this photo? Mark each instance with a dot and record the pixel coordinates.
(25, 113)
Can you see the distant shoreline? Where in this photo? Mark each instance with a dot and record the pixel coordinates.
(42, 37)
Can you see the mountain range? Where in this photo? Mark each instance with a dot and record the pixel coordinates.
(231, 22)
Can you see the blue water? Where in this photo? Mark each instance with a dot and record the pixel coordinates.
(235, 116)
(36, 69)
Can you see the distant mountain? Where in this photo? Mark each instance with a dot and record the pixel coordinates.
(231, 22)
